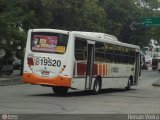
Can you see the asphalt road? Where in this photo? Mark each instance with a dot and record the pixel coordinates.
(33, 99)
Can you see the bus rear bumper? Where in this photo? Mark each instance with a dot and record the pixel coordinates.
(56, 81)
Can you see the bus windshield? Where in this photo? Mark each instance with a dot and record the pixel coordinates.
(49, 42)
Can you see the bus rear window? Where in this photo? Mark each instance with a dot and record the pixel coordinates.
(49, 42)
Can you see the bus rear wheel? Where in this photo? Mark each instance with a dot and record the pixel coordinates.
(60, 90)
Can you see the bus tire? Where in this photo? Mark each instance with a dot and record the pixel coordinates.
(96, 87)
(128, 85)
(60, 90)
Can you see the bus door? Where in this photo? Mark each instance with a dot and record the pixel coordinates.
(90, 63)
(137, 68)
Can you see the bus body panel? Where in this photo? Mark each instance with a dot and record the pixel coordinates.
(113, 75)
(57, 72)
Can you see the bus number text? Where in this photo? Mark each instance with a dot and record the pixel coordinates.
(48, 62)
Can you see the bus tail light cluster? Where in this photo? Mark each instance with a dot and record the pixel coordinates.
(30, 61)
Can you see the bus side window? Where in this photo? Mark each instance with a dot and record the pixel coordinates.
(125, 57)
(132, 56)
(109, 53)
(117, 54)
(80, 49)
(99, 52)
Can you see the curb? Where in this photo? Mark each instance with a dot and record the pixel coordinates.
(156, 83)
(11, 81)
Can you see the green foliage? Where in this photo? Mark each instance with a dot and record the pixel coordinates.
(86, 15)
(117, 17)
(151, 4)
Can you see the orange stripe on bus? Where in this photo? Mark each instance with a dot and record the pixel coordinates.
(56, 81)
(104, 70)
(101, 69)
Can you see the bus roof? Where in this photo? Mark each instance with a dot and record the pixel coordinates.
(97, 35)
(49, 30)
(109, 39)
(94, 36)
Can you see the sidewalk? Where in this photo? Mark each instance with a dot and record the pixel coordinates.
(156, 83)
(10, 80)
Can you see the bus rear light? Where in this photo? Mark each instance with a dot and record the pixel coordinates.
(30, 61)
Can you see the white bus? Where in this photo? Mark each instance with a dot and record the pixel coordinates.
(79, 60)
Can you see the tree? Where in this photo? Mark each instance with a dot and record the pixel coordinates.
(123, 19)
(119, 18)
(150, 8)
(85, 15)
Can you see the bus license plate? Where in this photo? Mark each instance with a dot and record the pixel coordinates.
(45, 73)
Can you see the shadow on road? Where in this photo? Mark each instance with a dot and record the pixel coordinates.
(83, 93)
